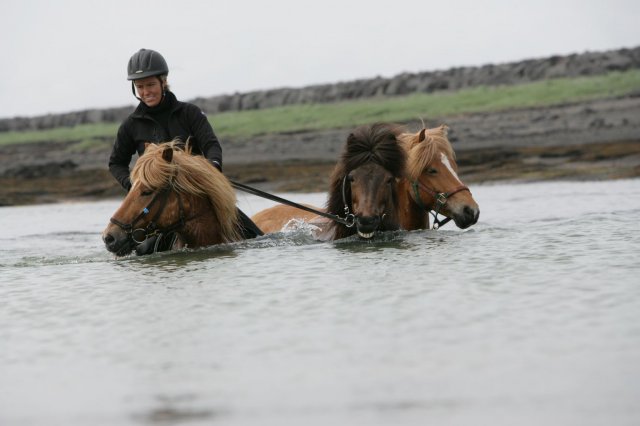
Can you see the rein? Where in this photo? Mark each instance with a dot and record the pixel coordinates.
(349, 220)
(139, 235)
(439, 197)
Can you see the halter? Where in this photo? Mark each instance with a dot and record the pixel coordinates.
(138, 235)
(439, 197)
(349, 217)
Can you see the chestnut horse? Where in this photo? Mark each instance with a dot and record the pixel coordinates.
(174, 191)
(431, 182)
(362, 186)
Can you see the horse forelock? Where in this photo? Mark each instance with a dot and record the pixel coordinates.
(150, 172)
(422, 154)
(191, 175)
(376, 143)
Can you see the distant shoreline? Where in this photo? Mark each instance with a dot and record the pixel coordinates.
(581, 140)
(593, 140)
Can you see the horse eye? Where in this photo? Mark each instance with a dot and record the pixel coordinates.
(432, 171)
(390, 180)
(350, 178)
(146, 193)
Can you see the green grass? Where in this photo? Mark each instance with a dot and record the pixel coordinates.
(395, 109)
(425, 106)
(85, 134)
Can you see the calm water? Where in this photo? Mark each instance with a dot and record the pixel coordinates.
(532, 317)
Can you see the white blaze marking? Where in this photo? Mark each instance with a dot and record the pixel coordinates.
(445, 161)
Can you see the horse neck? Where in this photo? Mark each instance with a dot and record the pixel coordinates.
(204, 228)
(411, 215)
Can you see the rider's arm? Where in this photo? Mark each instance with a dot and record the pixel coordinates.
(205, 137)
(123, 150)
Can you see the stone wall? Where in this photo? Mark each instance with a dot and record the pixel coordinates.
(427, 82)
(585, 64)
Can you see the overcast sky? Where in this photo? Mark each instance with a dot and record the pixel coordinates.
(68, 55)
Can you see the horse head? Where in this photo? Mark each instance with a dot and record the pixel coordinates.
(371, 189)
(363, 183)
(173, 191)
(432, 182)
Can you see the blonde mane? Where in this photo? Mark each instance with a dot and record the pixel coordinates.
(421, 154)
(191, 175)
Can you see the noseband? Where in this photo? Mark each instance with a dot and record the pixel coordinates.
(138, 235)
(351, 218)
(439, 197)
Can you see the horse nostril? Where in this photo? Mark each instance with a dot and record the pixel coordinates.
(108, 239)
(471, 214)
(367, 220)
(368, 223)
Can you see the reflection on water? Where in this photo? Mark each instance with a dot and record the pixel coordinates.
(530, 317)
(381, 243)
(184, 257)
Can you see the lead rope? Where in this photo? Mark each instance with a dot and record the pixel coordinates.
(347, 221)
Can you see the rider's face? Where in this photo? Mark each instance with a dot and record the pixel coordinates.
(149, 90)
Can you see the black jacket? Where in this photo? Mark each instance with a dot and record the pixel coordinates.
(178, 120)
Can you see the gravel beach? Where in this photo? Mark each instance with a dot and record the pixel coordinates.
(592, 140)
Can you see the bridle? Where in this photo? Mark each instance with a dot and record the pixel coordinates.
(138, 235)
(350, 217)
(439, 197)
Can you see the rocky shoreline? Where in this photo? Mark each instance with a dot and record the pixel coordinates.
(589, 140)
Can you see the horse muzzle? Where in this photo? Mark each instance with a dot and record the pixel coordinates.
(118, 242)
(366, 226)
(467, 217)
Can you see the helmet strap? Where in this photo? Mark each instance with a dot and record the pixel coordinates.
(133, 90)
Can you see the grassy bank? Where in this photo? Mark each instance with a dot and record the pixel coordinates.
(396, 109)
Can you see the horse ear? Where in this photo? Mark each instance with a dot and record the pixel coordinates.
(422, 136)
(167, 154)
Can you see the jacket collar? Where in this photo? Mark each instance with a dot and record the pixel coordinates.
(142, 109)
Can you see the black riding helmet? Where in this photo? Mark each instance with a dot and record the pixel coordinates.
(146, 63)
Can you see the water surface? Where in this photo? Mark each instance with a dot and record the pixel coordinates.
(530, 317)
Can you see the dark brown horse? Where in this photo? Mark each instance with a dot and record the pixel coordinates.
(362, 186)
(174, 192)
